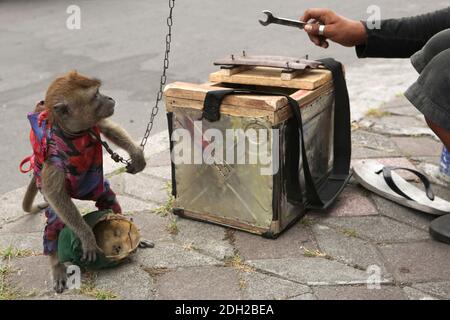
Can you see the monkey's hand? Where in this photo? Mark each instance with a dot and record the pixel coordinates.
(137, 163)
(54, 190)
(90, 248)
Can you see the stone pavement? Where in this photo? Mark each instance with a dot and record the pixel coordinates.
(333, 255)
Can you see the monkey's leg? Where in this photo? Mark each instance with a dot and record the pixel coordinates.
(59, 273)
(108, 200)
(30, 194)
(51, 232)
(117, 135)
(54, 189)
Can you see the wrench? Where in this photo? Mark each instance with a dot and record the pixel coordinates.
(285, 22)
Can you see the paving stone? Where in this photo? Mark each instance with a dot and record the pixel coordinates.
(430, 167)
(259, 286)
(157, 143)
(353, 181)
(85, 206)
(436, 160)
(145, 188)
(434, 175)
(152, 226)
(130, 204)
(306, 296)
(407, 110)
(171, 255)
(30, 241)
(117, 183)
(414, 294)
(442, 191)
(440, 289)
(379, 229)
(406, 215)
(418, 146)
(368, 81)
(31, 275)
(312, 271)
(406, 131)
(128, 282)
(399, 125)
(352, 202)
(420, 261)
(398, 103)
(67, 295)
(203, 283)
(164, 172)
(348, 249)
(110, 166)
(159, 159)
(288, 244)
(11, 205)
(364, 124)
(28, 223)
(204, 237)
(372, 145)
(359, 293)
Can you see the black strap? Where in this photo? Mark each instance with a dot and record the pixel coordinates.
(387, 174)
(317, 197)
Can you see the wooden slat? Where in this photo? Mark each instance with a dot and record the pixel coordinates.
(303, 97)
(173, 104)
(303, 59)
(289, 75)
(267, 61)
(198, 92)
(217, 84)
(310, 79)
(273, 108)
(229, 71)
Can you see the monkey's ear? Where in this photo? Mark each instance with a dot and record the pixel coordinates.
(61, 108)
(73, 74)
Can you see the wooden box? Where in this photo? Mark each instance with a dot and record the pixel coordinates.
(236, 194)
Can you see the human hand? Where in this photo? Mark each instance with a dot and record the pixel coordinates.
(339, 29)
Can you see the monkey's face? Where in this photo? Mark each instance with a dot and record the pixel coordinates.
(76, 104)
(116, 237)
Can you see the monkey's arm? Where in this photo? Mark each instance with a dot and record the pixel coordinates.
(54, 190)
(117, 135)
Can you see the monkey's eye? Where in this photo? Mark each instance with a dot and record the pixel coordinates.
(96, 95)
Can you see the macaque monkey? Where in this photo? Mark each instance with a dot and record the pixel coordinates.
(68, 124)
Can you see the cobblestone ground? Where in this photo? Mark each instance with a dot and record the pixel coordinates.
(327, 255)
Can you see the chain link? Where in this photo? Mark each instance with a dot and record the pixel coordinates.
(163, 79)
(115, 156)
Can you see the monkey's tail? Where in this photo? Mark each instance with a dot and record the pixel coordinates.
(30, 194)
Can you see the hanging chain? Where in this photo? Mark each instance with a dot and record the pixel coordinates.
(115, 156)
(163, 80)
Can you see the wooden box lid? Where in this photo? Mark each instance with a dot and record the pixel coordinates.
(274, 108)
(304, 80)
(308, 79)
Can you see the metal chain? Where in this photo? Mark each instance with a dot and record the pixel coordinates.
(115, 156)
(163, 80)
